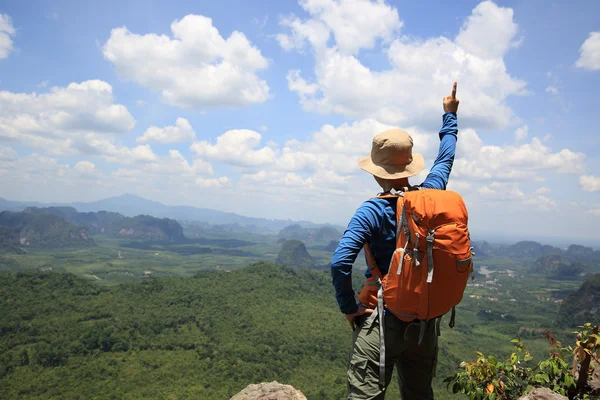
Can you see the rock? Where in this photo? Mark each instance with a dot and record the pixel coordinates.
(269, 391)
(543, 394)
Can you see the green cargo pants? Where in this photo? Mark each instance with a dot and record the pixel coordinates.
(415, 364)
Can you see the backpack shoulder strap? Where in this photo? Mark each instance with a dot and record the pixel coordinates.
(371, 263)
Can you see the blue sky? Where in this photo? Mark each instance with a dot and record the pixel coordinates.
(265, 110)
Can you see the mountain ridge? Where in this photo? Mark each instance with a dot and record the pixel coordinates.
(132, 205)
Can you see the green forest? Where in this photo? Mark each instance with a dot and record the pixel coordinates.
(203, 337)
(151, 309)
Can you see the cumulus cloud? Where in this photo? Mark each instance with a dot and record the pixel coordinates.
(196, 67)
(47, 171)
(552, 90)
(181, 132)
(354, 24)
(589, 53)
(510, 192)
(85, 168)
(514, 162)
(236, 147)
(521, 133)
(114, 153)
(213, 182)
(589, 183)
(56, 121)
(7, 32)
(422, 71)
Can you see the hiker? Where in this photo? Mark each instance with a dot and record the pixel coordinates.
(391, 163)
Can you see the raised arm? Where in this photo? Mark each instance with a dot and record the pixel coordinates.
(440, 172)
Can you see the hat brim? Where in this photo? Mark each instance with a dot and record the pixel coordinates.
(393, 171)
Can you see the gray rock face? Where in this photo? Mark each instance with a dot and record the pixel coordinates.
(543, 394)
(269, 391)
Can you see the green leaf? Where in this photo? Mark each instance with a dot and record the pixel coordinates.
(456, 387)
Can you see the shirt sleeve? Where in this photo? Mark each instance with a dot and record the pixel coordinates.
(440, 172)
(360, 229)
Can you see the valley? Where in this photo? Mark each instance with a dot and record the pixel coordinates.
(211, 308)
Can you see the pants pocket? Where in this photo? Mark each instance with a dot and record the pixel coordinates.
(357, 372)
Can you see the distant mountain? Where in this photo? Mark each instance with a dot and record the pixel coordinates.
(10, 239)
(37, 229)
(115, 224)
(131, 205)
(554, 266)
(332, 246)
(582, 305)
(293, 253)
(310, 235)
(531, 249)
(582, 253)
(483, 248)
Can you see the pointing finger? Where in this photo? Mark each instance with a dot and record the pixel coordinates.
(454, 91)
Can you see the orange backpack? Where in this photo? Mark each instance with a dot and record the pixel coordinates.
(432, 262)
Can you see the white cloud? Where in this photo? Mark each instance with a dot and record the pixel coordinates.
(85, 168)
(543, 191)
(422, 70)
(7, 31)
(236, 147)
(514, 162)
(7, 154)
(589, 183)
(354, 24)
(459, 186)
(477, 37)
(46, 171)
(171, 169)
(56, 122)
(212, 182)
(589, 53)
(176, 164)
(503, 192)
(337, 149)
(552, 90)
(181, 132)
(521, 133)
(195, 68)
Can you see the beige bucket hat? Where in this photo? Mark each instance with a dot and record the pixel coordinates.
(392, 157)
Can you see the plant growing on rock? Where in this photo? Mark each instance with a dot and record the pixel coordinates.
(486, 378)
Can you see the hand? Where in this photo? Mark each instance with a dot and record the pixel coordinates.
(451, 102)
(361, 311)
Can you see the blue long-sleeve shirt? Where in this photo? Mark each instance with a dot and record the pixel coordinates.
(375, 222)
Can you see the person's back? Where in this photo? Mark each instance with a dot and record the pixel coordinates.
(391, 163)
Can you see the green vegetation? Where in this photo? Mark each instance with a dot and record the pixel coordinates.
(117, 225)
(566, 370)
(294, 254)
(203, 337)
(40, 230)
(182, 319)
(309, 235)
(582, 305)
(554, 265)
